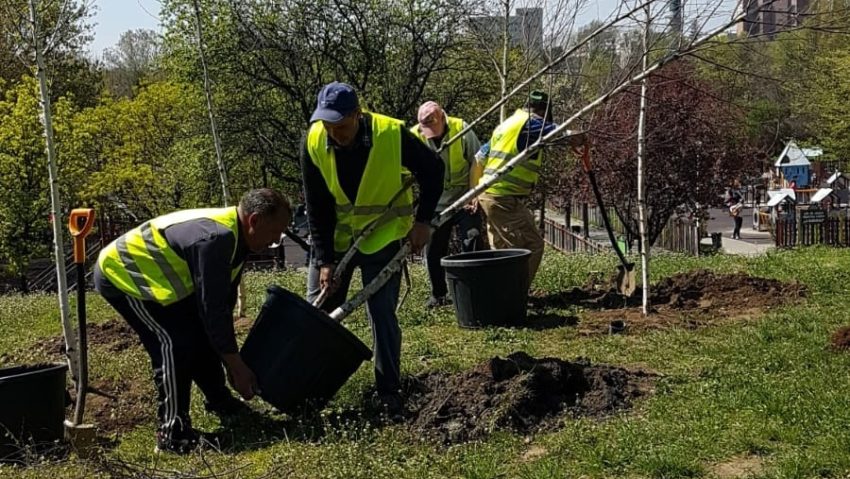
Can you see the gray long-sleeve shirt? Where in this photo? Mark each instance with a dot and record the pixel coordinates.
(207, 247)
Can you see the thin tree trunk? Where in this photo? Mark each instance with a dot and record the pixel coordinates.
(218, 156)
(222, 171)
(641, 167)
(55, 201)
(505, 46)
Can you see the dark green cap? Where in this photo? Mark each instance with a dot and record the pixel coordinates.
(538, 97)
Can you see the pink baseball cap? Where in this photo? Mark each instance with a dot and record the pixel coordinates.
(430, 118)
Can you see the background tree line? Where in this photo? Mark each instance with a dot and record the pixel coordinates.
(133, 137)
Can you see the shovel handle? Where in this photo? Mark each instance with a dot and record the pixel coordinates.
(80, 224)
(583, 152)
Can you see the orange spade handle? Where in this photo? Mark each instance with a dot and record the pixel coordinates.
(584, 152)
(80, 231)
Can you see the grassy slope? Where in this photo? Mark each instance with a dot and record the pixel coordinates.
(766, 388)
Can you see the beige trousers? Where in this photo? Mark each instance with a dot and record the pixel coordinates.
(510, 224)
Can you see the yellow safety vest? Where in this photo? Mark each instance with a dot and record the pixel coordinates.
(503, 148)
(142, 264)
(382, 179)
(456, 166)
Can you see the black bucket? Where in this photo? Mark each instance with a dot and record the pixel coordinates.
(32, 406)
(300, 355)
(490, 288)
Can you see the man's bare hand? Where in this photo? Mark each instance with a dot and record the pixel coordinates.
(419, 236)
(472, 206)
(240, 375)
(326, 278)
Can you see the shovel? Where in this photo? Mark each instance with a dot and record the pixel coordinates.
(81, 436)
(624, 280)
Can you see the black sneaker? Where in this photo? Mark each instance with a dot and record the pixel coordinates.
(437, 302)
(186, 442)
(227, 407)
(183, 442)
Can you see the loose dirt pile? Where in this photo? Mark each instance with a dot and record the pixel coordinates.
(118, 406)
(520, 393)
(113, 336)
(840, 340)
(688, 299)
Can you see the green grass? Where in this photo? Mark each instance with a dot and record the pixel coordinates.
(767, 388)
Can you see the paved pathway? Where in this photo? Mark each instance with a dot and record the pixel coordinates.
(752, 242)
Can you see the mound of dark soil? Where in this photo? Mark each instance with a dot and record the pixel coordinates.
(703, 289)
(688, 299)
(520, 393)
(840, 340)
(114, 336)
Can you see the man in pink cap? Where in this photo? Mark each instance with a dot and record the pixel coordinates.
(435, 128)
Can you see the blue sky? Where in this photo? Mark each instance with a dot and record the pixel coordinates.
(114, 17)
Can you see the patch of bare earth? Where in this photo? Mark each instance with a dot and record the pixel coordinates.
(113, 336)
(114, 405)
(737, 467)
(691, 300)
(118, 406)
(520, 394)
(840, 340)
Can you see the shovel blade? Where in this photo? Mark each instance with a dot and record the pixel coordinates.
(626, 282)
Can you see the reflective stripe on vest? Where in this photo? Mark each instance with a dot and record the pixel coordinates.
(503, 148)
(382, 179)
(141, 263)
(457, 167)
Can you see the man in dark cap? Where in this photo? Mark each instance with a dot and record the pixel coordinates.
(510, 224)
(354, 163)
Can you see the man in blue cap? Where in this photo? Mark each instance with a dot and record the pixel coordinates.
(354, 164)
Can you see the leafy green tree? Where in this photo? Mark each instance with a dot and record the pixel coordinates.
(268, 61)
(131, 60)
(70, 72)
(24, 203)
(146, 153)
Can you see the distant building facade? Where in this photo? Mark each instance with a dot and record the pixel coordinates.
(525, 28)
(767, 17)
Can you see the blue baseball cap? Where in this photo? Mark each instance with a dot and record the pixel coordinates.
(335, 102)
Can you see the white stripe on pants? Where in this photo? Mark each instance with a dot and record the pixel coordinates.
(169, 373)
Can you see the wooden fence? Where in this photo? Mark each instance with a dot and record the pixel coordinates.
(831, 232)
(563, 239)
(594, 217)
(681, 235)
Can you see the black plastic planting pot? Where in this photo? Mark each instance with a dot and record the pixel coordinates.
(489, 288)
(300, 355)
(32, 406)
